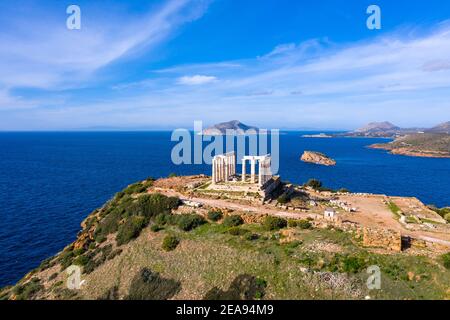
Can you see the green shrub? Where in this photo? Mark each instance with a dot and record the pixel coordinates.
(215, 215)
(304, 224)
(314, 183)
(163, 219)
(274, 223)
(65, 259)
(446, 260)
(156, 228)
(173, 175)
(130, 230)
(189, 222)
(283, 199)
(81, 260)
(28, 290)
(292, 223)
(170, 243)
(252, 237)
(237, 231)
(447, 217)
(233, 221)
(343, 190)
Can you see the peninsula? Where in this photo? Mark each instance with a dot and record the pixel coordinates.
(247, 236)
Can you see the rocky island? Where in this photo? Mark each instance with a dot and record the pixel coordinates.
(317, 158)
(234, 127)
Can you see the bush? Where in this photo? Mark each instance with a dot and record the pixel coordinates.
(156, 228)
(304, 224)
(215, 215)
(28, 290)
(283, 199)
(163, 219)
(236, 231)
(447, 217)
(81, 260)
(170, 243)
(292, 223)
(130, 230)
(314, 183)
(252, 237)
(189, 222)
(173, 175)
(148, 285)
(446, 260)
(343, 190)
(274, 223)
(233, 221)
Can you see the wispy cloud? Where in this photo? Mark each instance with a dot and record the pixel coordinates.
(38, 51)
(196, 80)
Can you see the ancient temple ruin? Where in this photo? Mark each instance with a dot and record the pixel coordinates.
(224, 169)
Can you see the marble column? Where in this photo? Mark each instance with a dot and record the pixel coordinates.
(214, 170)
(260, 173)
(243, 170)
(252, 170)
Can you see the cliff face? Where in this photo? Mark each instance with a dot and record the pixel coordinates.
(317, 158)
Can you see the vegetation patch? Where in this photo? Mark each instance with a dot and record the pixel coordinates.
(215, 215)
(149, 285)
(188, 222)
(233, 221)
(170, 243)
(243, 287)
(274, 223)
(28, 290)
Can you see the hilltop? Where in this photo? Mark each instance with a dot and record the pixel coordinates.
(442, 128)
(235, 126)
(175, 238)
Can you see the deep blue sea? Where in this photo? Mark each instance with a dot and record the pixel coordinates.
(49, 182)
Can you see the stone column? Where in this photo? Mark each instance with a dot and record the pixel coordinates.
(243, 170)
(227, 169)
(260, 173)
(214, 170)
(252, 170)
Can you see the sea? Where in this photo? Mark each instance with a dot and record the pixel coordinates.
(50, 181)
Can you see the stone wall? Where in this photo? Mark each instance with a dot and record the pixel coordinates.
(382, 238)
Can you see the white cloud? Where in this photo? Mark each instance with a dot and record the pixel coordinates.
(49, 56)
(196, 80)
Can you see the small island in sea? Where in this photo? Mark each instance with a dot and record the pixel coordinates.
(317, 158)
(247, 236)
(233, 127)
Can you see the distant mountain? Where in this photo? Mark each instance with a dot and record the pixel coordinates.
(441, 128)
(230, 127)
(378, 127)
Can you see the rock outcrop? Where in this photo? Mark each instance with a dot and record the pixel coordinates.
(317, 158)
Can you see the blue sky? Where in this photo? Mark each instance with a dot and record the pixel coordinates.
(275, 64)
